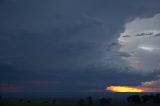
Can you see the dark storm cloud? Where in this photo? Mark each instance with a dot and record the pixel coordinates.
(156, 35)
(59, 40)
(65, 80)
(126, 36)
(145, 34)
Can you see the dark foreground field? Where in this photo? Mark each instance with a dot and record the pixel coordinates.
(72, 104)
(129, 100)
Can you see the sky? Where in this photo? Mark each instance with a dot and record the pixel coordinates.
(78, 46)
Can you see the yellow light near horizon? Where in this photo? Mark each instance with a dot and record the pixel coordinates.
(124, 89)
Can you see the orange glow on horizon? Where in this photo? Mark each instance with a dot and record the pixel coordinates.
(124, 89)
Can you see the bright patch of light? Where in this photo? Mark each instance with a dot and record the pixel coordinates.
(140, 88)
(146, 48)
(124, 89)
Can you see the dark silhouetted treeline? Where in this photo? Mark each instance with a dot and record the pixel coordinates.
(135, 99)
(89, 101)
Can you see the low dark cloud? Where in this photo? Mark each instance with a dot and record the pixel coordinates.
(145, 34)
(126, 36)
(66, 80)
(72, 44)
(156, 35)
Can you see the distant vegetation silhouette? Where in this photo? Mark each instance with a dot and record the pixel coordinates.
(144, 100)
(54, 101)
(104, 101)
(90, 101)
(21, 100)
(28, 101)
(1, 101)
(81, 102)
(135, 99)
(151, 98)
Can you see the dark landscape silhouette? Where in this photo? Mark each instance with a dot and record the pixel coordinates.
(132, 100)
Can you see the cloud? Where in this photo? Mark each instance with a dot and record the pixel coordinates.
(71, 42)
(153, 83)
(53, 36)
(40, 82)
(10, 88)
(156, 35)
(126, 36)
(151, 86)
(145, 34)
(147, 86)
(141, 41)
(94, 78)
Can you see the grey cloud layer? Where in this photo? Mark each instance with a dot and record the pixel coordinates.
(45, 36)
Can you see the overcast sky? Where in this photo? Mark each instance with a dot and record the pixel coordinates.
(78, 46)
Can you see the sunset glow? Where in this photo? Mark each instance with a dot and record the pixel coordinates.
(124, 89)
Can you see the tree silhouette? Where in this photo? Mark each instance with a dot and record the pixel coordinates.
(53, 101)
(104, 101)
(134, 99)
(157, 98)
(46, 101)
(90, 101)
(81, 102)
(21, 100)
(1, 102)
(145, 98)
(28, 101)
(108, 101)
(151, 98)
